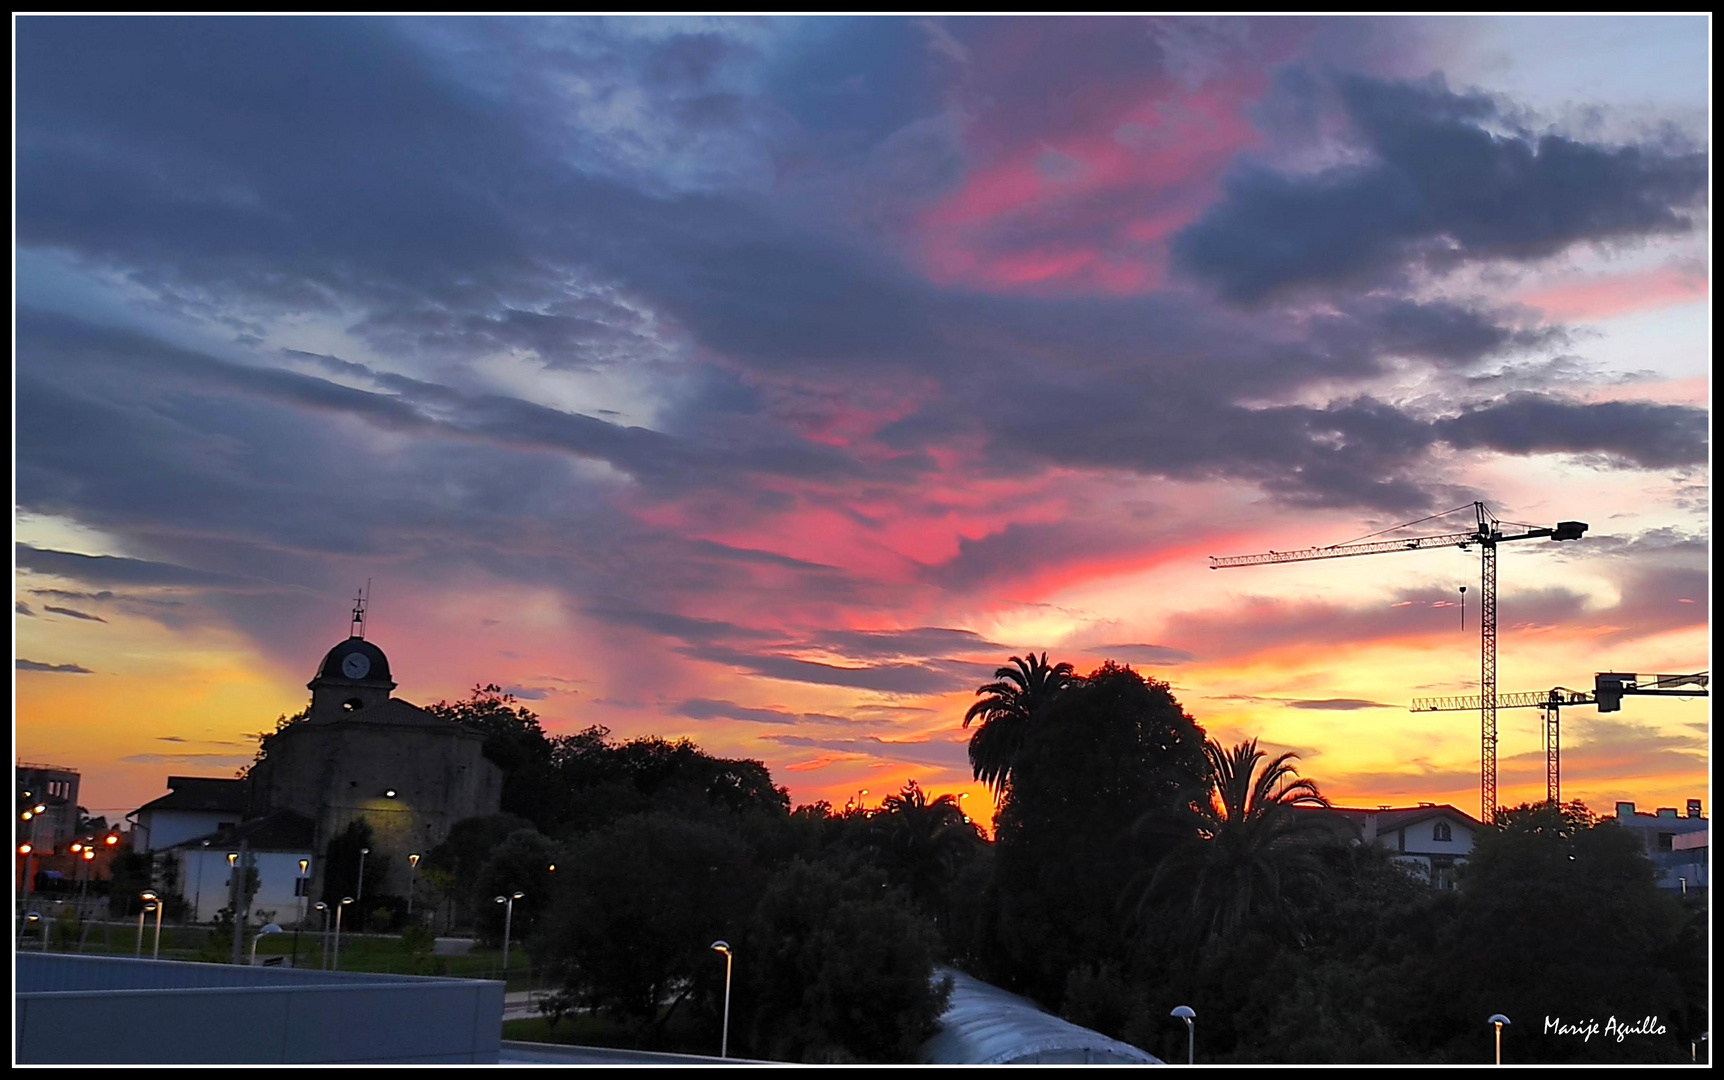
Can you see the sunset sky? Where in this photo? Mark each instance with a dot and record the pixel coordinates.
(770, 381)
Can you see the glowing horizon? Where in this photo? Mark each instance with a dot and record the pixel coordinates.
(770, 382)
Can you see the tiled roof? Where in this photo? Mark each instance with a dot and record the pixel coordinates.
(282, 830)
(200, 793)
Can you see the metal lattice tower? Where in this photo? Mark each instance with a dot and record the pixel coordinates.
(1487, 533)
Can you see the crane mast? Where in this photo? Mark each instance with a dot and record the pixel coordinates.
(1487, 533)
(1609, 687)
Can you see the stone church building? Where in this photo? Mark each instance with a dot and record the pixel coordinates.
(361, 753)
(358, 753)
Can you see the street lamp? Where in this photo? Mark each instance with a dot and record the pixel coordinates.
(152, 903)
(412, 880)
(345, 900)
(304, 887)
(359, 895)
(323, 907)
(1497, 1021)
(30, 917)
(508, 918)
(267, 928)
(1188, 1014)
(724, 1035)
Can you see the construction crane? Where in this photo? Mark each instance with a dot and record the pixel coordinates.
(1609, 687)
(1487, 533)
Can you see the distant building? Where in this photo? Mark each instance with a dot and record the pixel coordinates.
(194, 806)
(363, 754)
(1677, 845)
(1431, 839)
(55, 788)
(358, 754)
(198, 868)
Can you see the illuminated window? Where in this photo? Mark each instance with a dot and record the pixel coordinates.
(1441, 832)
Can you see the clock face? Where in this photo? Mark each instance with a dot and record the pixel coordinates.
(355, 665)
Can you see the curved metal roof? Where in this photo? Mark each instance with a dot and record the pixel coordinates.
(984, 1025)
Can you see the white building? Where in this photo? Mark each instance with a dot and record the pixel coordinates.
(1676, 845)
(194, 806)
(1431, 839)
(203, 869)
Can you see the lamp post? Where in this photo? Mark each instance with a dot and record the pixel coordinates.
(412, 880)
(1694, 1047)
(198, 891)
(323, 907)
(29, 917)
(1497, 1021)
(508, 920)
(345, 900)
(359, 893)
(153, 902)
(1189, 1015)
(149, 906)
(266, 928)
(724, 1032)
(303, 887)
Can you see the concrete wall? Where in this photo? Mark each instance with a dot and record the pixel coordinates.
(174, 1013)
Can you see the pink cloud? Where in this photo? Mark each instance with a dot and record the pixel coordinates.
(1608, 296)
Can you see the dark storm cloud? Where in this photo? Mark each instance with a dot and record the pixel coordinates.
(1444, 185)
(113, 569)
(934, 677)
(707, 709)
(921, 641)
(1154, 655)
(1644, 434)
(928, 752)
(1318, 704)
(73, 613)
(63, 669)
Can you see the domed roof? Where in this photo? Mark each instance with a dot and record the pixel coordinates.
(354, 662)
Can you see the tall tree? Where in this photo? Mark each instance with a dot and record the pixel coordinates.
(922, 844)
(1007, 708)
(1239, 850)
(1107, 750)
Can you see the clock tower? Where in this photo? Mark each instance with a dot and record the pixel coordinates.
(353, 677)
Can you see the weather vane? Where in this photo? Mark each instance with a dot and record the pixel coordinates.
(359, 601)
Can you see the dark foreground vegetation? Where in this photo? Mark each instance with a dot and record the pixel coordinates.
(1136, 866)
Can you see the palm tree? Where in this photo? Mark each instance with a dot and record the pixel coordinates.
(1240, 849)
(1006, 709)
(923, 842)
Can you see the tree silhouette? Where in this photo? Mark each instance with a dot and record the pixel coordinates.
(1239, 850)
(1007, 708)
(922, 844)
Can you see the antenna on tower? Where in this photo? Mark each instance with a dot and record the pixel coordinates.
(360, 600)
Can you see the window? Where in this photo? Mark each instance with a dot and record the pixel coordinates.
(1441, 832)
(1666, 841)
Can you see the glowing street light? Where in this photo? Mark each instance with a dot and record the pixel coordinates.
(508, 918)
(1189, 1015)
(1498, 1020)
(304, 888)
(724, 1036)
(152, 902)
(345, 900)
(323, 907)
(30, 917)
